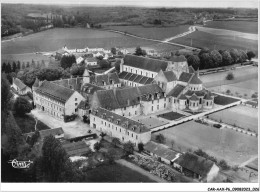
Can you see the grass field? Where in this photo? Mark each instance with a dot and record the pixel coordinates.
(242, 116)
(226, 144)
(241, 26)
(55, 39)
(203, 39)
(159, 33)
(171, 116)
(115, 173)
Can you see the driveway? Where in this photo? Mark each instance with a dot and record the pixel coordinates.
(72, 129)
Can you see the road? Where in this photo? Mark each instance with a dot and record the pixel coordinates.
(248, 161)
(191, 30)
(140, 170)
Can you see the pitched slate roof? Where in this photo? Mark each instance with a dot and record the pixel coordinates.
(185, 77)
(170, 76)
(180, 58)
(198, 93)
(120, 120)
(176, 91)
(194, 98)
(90, 88)
(195, 80)
(182, 97)
(195, 163)
(191, 69)
(47, 132)
(146, 63)
(135, 78)
(71, 83)
(54, 91)
(122, 75)
(99, 79)
(119, 98)
(19, 84)
(76, 148)
(161, 150)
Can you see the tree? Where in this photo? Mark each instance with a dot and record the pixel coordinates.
(216, 58)
(9, 78)
(22, 106)
(140, 147)
(139, 51)
(250, 55)
(230, 76)
(74, 70)
(14, 67)
(102, 135)
(117, 65)
(223, 164)
(113, 50)
(128, 148)
(3, 67)
(111, 155)
(97, 146)
(67, 61)
(8, 68)
(160, 138)
(243, 56)
(18, 66)
(116, 142)
(23, 65)
(35, 137)
(206, 61)
(5, 93)
(226, 58)
(194, 61)
(234, 54)
(104, 64)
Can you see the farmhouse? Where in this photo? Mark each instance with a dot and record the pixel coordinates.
(196, 167)
(118, 126)
(56, 100)
(161, 152)
(20, 87)
(132, 101)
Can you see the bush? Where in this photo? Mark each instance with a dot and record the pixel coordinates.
(68, 118)
(160, 138)
(223, 165)
(97, 146)
(22, 106)
(230, 76)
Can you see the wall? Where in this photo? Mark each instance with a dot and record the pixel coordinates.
(138, 71)
(212, 173)
(72, 103)
(148, 105)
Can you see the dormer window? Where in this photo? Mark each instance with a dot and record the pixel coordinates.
(111, 81)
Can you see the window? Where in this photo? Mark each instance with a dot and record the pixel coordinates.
(105, 123)
(120, 130)
(152, 101)
(76, 110)
(135, 113)
(157, 106)
(152, 75)
(94, 119)
(108, 125)
(152, 108)
(124, 108)
(136, 137)
(132, 135)
(169, 99)
(116, 128)
(76, 99)
(76, 104)
(164, 105)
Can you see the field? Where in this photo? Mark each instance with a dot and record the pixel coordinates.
(222, 100)
(245, 89)
(242, 116)
(171, 116)
(159, 33)
(115, 173)
(242, 26)
(55, 39)
(226, 144)
(203, 39)
(27, 57)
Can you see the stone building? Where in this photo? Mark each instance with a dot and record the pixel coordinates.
(20, 87)
(120, 127)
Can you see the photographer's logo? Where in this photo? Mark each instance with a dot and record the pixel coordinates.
(20, 164)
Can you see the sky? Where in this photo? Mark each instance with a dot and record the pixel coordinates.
(148, 3)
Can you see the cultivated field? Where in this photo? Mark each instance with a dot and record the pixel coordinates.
(54, 39)
(226, 144)
(203, 39)
(242, 116)
(242, 26)
(159, 33)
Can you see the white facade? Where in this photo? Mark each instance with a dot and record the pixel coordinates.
(79, 60)
(139, 71)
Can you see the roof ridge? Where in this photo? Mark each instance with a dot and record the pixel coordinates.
(61, 86)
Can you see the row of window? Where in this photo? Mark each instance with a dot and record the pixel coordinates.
(136, 71)
(158, 107)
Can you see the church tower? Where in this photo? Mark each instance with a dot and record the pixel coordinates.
(86, 77)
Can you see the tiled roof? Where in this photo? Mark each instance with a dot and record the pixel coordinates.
(176, 91)
(135, 78)
(122, 75)
(127, 77)
(120, 120)
(19, 84)
(160, 150)
(132, 77)
(76, 148)
(185, 77)
(191, 69)
(138, 78)
(195, 163)
(71, 83)
(194, 98)
(47, 132)
(90, 88)
(99, 79)
(182, 97)
(54, 91)
(149, 81)
(180, 58)
(195, 80)
(198, 93)
(143, 80)
(170, 76)
(119, 98)
(149, 64)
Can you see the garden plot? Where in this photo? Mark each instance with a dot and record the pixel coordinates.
(150, 122)
(171, 116)
(241, 116)
(234, 147)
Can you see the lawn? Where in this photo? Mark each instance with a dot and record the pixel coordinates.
(55, 39)
(242, 116)
(226, 144)
(27, 124)
(150, 122)
(203, 39)
(159, 33)
(241, 26)
(115, 173)
(224, 100)
(171, 116)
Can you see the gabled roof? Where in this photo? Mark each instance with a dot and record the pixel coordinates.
(54, 132)
(180, 58)
(194, 98)
(176, 91)
(71, 83)
(197, 93)
(125, 122)
(195, 80)
(90, 88)
(195, 163)
(191, 69)
(161, 150)
(146, 63)
(55, 91)
(170, 76)
(99, 79)
(185, 77)
(19, 84)
(182, 97)
(122, 75)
